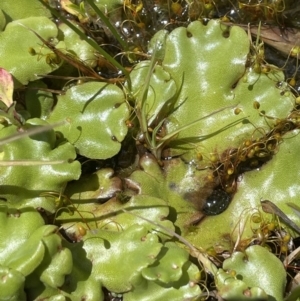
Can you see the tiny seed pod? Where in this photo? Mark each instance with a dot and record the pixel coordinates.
(265, 69)
(3, 120)
(256, 105)
(217, 202)
(48, 60)
(257, 68)
(243, 157)
(211, 252)
(247, 143)
(139, 7)
(208, 6)
(176, 8)
(232, 273)
(255, 218)
(199, 156)
(251, 153)
(237, 111)
(79, 82)
(129, 124)
(56, 60)
(52, 59)
(225, 19)
(32, 51)
(210, 178)
(81, 230)
(277, 136)
(286, 238)
(265, 231)
(262, 154)
(213, 158)
(261, 52)
(271, 146)
(295, 51)
(271, 226)
(284, 248)
(292, 81)
(141, 25)
(230, 171)
(259, 146)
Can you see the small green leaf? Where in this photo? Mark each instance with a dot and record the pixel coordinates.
(81, 283)
(11, 285)
(33, 251)
(39, 101)
(235, 289)
(98, 186)
(107, 251)
(16, 226)
(23, 190)
(21, 9)
(170, 264)
(95, 115)
(185, 288)
(17, 40)
(258, 267)
(80, 49)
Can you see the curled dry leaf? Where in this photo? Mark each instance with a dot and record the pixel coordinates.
(285, 40)
(6, 87)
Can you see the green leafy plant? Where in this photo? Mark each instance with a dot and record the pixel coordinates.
(210, 129)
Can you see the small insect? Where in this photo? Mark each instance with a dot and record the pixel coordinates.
(217, 202)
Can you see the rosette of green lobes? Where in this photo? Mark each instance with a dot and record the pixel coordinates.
(111, 259)
(171, 277)
(261, 272)
(23, 54)
(110, 215)
(23, 184)
(129, 262)
(31, 255)
(95, 115)
(206, 64)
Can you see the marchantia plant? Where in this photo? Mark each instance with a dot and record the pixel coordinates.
(163, 167)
